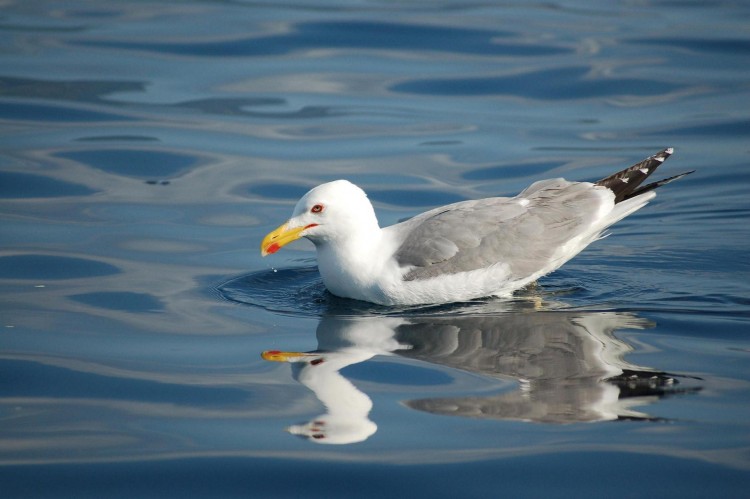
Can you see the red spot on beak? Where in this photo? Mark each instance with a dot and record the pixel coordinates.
(273, 248)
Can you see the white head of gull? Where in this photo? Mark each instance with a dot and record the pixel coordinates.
(465, 250)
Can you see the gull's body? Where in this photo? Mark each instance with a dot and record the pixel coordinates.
(462, 251)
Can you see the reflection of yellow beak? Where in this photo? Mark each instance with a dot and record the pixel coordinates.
(277, 356)
(279, 237)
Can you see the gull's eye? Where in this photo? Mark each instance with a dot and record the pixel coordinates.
(318, 208)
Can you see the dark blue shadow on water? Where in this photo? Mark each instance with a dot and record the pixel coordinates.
(414, 198)
(230, 106)
(510, 171)
(65, 90)
(133, 162)
(349, 35)
(117, 138)
(395, 374)
(278, 190)
(32, 379)
(724, 129)
(51, 113)
(363, 177)
(41, 267)
(121, 300)
(548, 84)
(23, 185)
(732, 46)
(550, 474)
(292, 291)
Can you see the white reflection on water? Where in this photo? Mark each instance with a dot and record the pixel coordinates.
(569, 367)
(341, 343)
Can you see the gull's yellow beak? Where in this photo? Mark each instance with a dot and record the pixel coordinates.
(277, 356)
(280, 237)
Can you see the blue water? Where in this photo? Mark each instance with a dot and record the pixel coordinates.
(146, 147)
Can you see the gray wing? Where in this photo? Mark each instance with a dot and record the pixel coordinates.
(523, 232)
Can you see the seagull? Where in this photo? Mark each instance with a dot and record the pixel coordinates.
(462, 251)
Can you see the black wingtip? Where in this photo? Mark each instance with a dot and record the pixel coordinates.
(654, 185)
(626, 183)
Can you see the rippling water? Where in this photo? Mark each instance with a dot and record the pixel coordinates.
(148, 351)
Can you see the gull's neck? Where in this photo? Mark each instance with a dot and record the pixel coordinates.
(337, 393)
(353, 264)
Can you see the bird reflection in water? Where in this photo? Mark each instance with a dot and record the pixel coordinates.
(569, 366)
(341, 342)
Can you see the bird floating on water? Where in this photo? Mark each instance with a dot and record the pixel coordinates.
(465, 250)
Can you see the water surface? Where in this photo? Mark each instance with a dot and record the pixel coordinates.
(147, 350)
